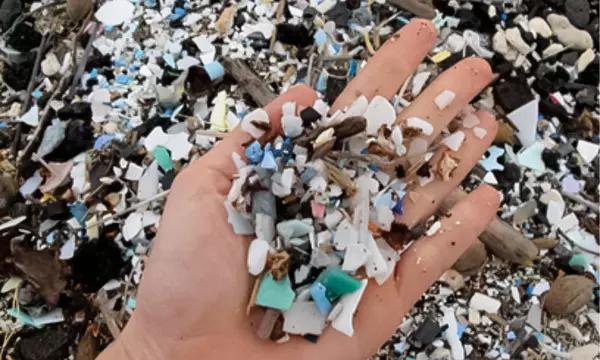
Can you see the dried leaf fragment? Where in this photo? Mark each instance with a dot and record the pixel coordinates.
(42, 269)
(446, 166)
(278, 264)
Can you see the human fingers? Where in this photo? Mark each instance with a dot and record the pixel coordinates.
(387, 70)
(383, 307)
(420, 203)
(461, 83)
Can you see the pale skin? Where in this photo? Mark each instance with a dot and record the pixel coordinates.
(193, 296)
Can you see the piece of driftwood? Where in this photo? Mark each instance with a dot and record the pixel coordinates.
(247, 79)
(421, 8)
(500, 237)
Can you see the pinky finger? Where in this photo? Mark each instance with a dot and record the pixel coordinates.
(432, 255)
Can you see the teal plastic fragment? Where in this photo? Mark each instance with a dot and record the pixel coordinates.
(578, 260)
(275, 294)
(162, 156)
(22, 317)
(338, 283)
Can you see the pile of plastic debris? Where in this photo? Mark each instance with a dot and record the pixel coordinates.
(103, 104)
(315, 232)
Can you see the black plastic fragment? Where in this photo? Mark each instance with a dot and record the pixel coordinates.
(427, 332)
(296, 35)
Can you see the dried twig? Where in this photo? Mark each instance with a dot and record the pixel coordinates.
(44, 122)
(83, 62)
(46, 39)
(24, 16)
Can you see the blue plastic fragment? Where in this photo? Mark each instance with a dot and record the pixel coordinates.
(254, 153)
(511, 335)
(131, 303)
(120, 61)
(352, 69)
(50, 238)
(168, 58)
(460, 329)
(94, 73)
(320, 37)
(102, 141)
(108, 28)
(150, 3)
(317, 292)
(374, 167)
(3, 125)
(78, 210)
(122, 79)
(37, 94)
(307, 174)
(399, 207)
(322, 82)
(177, 14)
(268, 161)
(138, 53)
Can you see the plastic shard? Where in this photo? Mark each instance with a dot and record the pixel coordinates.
(444, 99)
(342, 322)
(275, 294)
(525, 118)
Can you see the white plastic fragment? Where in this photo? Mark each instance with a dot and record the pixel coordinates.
(540, 27)
(434, 228)
(257, 256)
(587, 150)
(418, 82)
(50, 65)
(391, 257)
(513, 36)
(67, 250)
(531, 156)
(490, 178)
(444, 99)
(481, 302)
(132, 226)
(455, 140)
(525, 118)
(31, 117)
(134, 172)
(451, 334)
(379, 113)
(100, 102)
(258, 116)
(470, 120)
(303, 318)
(115, 12)
(292, 125)
(148, 183)
(416, 122)
(349, 302)
(356, 255)
(568, 34)
(554, 211)
(479, 132)
(584, 60)
(241, 225)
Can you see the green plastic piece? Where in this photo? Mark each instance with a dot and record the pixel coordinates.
(22, 317)
(162, 156)
(275, 294)
(338, 283)
(578, 260)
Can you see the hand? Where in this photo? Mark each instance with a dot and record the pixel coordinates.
(193, 296)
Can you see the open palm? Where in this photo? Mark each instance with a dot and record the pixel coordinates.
(193, 297)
